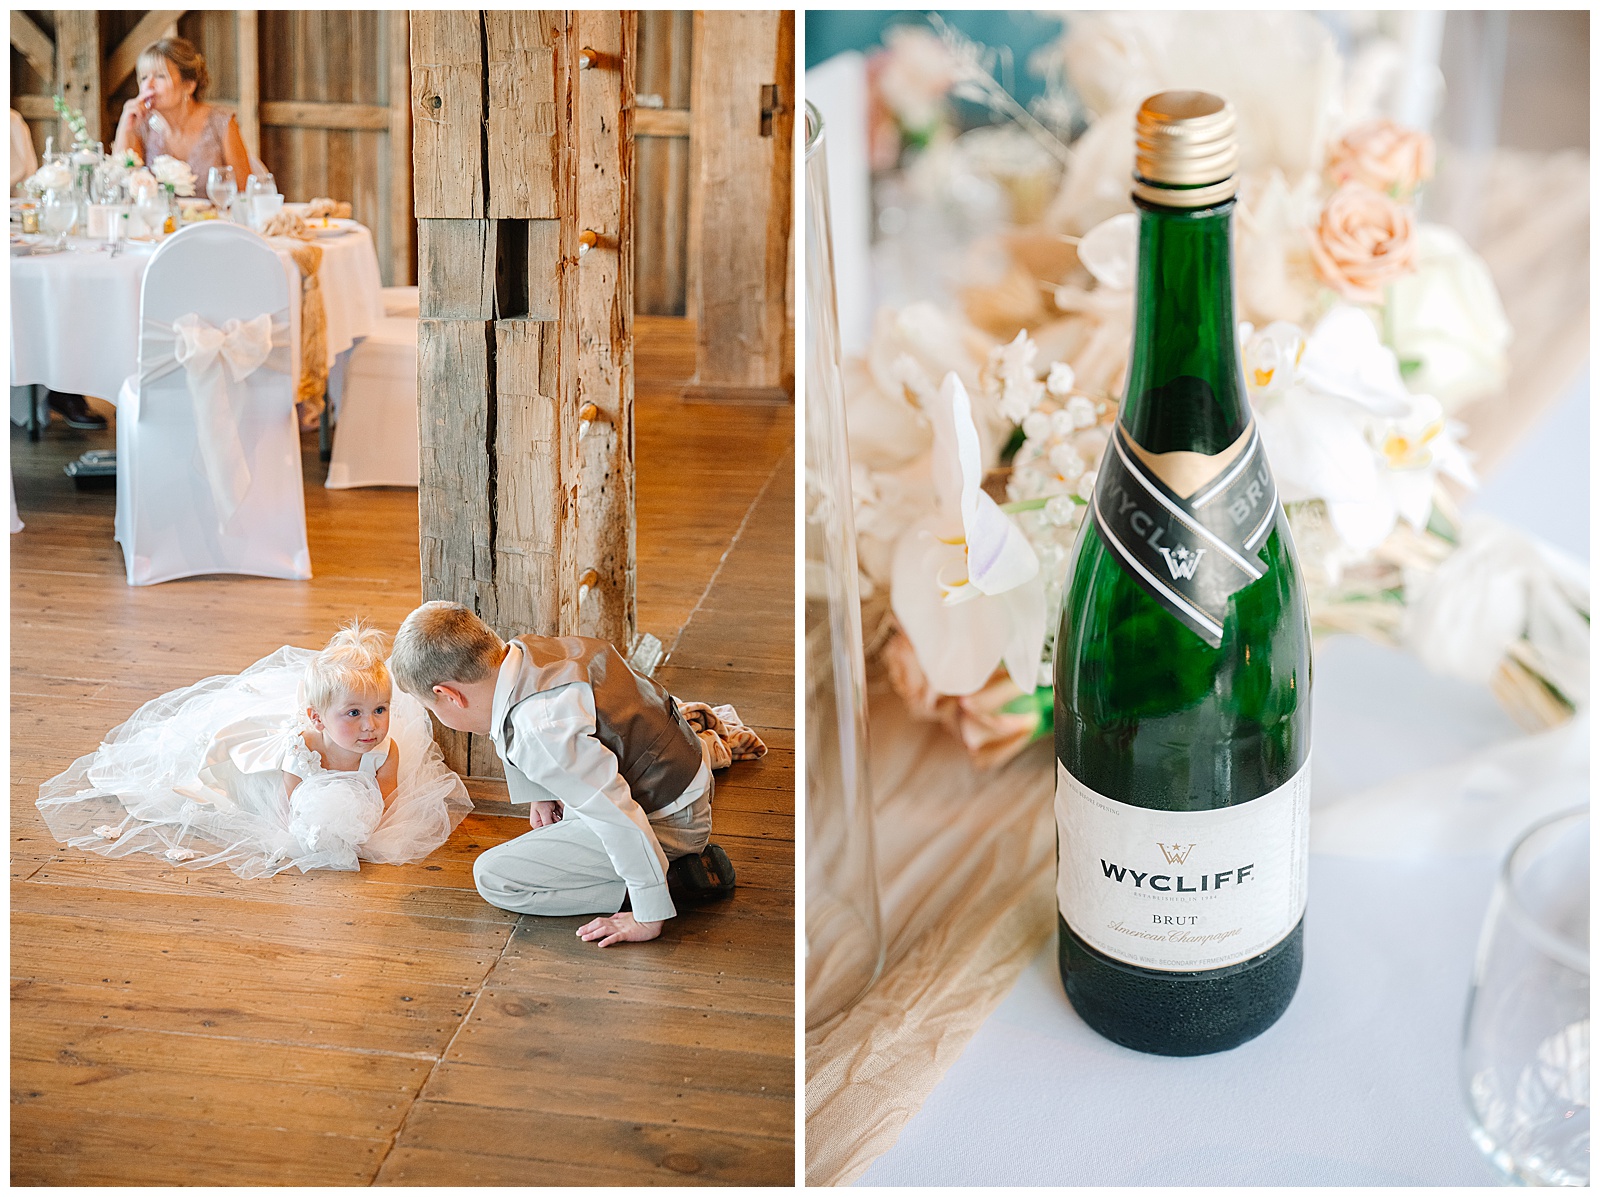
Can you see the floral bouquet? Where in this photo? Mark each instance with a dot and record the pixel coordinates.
(975, 437)
(115, 172)
(52, 176)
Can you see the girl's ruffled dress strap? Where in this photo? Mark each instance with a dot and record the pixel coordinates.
(372, 761)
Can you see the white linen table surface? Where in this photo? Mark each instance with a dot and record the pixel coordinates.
(1358, 1083)
(75, 316)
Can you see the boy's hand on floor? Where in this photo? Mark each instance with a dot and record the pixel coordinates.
(543, 814)
(619, 928)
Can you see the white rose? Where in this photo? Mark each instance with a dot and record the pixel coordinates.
(53, 176)
(175, 173)
(1447, 319)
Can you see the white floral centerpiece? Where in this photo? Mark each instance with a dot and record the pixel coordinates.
(173, 174)
(52, 176)
(975, 437)
(115, 171)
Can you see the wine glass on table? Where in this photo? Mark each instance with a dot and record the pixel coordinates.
(57, 215)
(1525, 1052)
(152, 206)
(222, 188)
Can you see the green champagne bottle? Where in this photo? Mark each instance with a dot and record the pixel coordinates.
(1183, 661)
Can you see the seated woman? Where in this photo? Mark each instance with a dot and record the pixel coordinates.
(168, 117)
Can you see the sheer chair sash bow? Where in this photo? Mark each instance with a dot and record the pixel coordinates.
(216, 363)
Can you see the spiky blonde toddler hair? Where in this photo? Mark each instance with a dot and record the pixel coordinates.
(440, 643)
(352, 663)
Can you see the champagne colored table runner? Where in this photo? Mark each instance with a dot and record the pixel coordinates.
(966, 874)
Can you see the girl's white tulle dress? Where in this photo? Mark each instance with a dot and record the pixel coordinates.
(196, 777)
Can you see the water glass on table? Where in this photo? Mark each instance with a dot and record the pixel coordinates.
(221, 188)
(261, 194)
(1525, 1055)
(58, 214)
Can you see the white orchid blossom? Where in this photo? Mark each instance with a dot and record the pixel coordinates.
(966, 586)
(1012, 367)
(1340, 426)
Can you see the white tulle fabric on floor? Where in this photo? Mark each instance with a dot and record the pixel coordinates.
(208, 448)
(195, 777)
(375, 437)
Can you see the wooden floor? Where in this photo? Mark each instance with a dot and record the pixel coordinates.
(389, 1027)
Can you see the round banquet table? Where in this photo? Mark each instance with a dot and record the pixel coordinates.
(75, 315)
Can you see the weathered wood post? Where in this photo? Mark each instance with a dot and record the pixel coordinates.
(523, 160)
(78, 69)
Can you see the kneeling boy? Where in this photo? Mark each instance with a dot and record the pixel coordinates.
(616, 778)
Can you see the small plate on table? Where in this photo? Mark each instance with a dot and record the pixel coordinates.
(333, 226)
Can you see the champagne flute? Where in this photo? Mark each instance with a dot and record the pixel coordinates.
(1525, 1051)
(222, 187)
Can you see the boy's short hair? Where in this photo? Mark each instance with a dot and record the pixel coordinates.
(443, 642)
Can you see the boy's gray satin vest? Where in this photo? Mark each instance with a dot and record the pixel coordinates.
(657, 752)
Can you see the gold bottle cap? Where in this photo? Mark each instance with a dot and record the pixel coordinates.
(1186, 150)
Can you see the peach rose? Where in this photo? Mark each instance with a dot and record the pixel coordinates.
(1363, 241)
(1383, 155)
(991, 736)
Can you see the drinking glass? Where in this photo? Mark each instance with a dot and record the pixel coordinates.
(261, 193)
(152, 206)
(1525, 1054)
(844, 936)
(221, 188)
(59, 214)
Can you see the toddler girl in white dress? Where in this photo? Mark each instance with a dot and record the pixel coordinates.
(307, 760)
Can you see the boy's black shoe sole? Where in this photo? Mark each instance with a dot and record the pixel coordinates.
(706, 877)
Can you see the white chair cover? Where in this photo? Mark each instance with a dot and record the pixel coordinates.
(375, 438)
(208, 448)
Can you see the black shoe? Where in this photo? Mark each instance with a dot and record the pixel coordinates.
(75, 411)
(706, 877)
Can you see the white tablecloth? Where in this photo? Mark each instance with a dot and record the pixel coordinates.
(1358, 1083)
(75, 316)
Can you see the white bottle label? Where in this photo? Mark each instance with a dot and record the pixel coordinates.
(1182, 891)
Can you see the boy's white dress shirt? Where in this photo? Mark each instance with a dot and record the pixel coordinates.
(550, 737)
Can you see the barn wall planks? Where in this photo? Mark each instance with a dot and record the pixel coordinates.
(741, 138)
(661, 192)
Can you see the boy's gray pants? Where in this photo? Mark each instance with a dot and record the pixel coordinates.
(563, 869)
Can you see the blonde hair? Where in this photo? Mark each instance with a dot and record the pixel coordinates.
(187, 62)
(442, 642)
(351, 664)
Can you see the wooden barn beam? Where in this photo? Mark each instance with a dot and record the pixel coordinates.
(447, 112)
(523, 171)
(78, 68)
(125, 58)
(312, 114)
(605, 508)
(35, 108)
(402, 249)
(247, 41)
(661, 122)
(34, 44)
